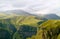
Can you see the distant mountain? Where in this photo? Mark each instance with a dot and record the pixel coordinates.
(48, 16)
(25, 13)
(52, 16)
(20, 13)
(17, 12)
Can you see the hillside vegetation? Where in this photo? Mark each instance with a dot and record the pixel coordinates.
(48, 30)
(28, 27)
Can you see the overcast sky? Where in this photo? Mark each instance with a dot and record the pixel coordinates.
(33, 6)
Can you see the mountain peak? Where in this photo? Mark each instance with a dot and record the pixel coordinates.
(17, 12)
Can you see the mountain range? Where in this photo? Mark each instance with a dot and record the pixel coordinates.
(25, 13)
(17, 24)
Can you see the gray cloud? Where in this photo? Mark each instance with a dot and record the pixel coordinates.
(35, 6)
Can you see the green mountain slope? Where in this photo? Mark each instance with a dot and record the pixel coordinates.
(48, 30)
(18, 27)
(13, 24)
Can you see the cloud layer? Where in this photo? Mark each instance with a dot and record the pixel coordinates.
(33, 6)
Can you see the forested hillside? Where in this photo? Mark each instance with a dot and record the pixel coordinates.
(48, 30)
(28, 27)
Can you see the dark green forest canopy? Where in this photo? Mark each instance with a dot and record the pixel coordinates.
(4, 34)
